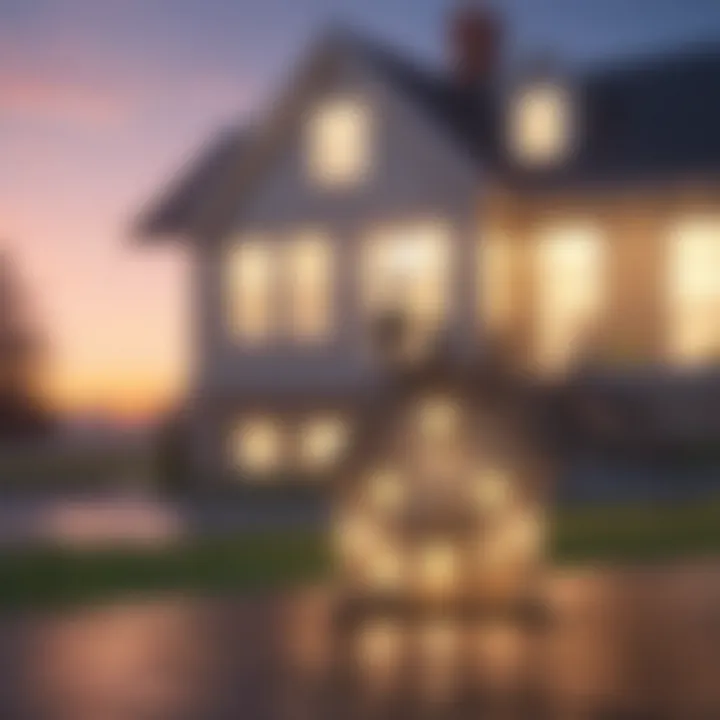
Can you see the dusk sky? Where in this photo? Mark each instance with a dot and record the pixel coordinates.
(100, 100)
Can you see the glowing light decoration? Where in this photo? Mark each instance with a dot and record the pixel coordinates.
(438, 568)
(492, 489)
(386, 490)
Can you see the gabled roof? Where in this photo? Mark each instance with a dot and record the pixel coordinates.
(180, 209)
(648, 120)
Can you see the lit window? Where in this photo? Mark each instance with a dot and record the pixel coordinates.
(406, 271)
(338, 143)
(570, 286)
(322, 442)
(541, 124)
(249, 290)
(256, 446)
(694, 269)
(311, 276)
(495, 282)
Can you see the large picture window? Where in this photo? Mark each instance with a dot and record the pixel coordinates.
(570, 289)
(406, 271)
(694, 290)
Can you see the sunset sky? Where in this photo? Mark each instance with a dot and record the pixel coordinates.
(100, 100)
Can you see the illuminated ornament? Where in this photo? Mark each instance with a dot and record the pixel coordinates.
(492, 490)
(355, 538)
(385, 569)
(379, 649)
(438, 656)
(438, 568)
(386, 491)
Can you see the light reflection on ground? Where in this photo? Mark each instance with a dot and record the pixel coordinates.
(624, 643)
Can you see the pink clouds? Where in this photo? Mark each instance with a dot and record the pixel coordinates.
(45, 98)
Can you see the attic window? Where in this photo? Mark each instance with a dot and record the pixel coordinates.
(541, 124)
(338, 143)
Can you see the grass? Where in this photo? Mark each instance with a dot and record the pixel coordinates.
(53, 577)
(56, 577)
(636, 533)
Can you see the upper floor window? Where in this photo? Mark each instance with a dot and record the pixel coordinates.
(570, 288)
(310, 286)
(339, 152)
(250, 290)
(694, 290)
(541, 124)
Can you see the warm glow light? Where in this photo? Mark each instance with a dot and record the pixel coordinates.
(339, 142)
(257, 446)
(406, 270)
(386, 490)
(385, 569)
(541, 124)
(570, 288)
(356, 539)
(492, 490)
(311, 276)
(249, 283)
(322, 442)
(694, 290)
(438, 567)
(379, 651)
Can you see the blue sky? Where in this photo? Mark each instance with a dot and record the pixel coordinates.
(101, 99)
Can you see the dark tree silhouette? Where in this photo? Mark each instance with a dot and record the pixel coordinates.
(23, 415)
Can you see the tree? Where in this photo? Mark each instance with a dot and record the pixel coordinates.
(23, 415)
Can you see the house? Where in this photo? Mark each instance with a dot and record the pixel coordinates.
(569, 218)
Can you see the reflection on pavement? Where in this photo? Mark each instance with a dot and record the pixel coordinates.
(623, 644)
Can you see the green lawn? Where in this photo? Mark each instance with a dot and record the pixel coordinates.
(636, 533)
(50, 577)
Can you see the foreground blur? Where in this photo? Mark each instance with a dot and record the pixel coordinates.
(641, 642)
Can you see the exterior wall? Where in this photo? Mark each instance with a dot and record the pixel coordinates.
(416, 176)
(636, 226)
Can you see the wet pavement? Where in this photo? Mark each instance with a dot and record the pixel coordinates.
(631, 643)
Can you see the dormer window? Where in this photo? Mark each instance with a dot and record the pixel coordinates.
(338, 143)
(541, 124)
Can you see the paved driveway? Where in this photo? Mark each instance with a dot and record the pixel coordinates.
(643, 643)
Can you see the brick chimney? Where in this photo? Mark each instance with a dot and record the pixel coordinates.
(475, 42)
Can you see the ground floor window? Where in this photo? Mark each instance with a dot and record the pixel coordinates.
(406, 271)
(694, 290)
(265, 445)
(256, 446)
(570, 292)
(322, 441)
